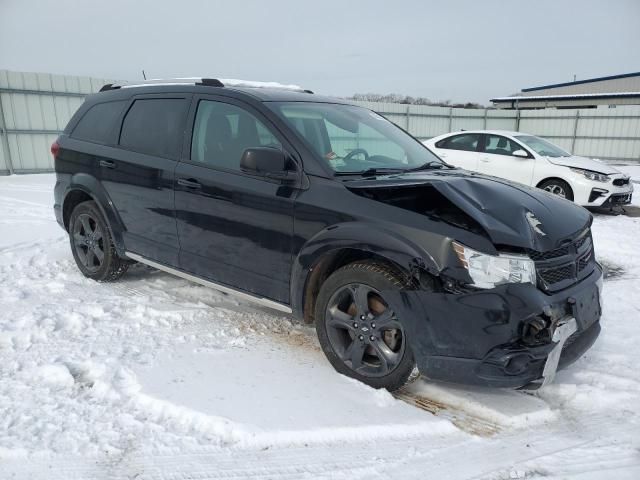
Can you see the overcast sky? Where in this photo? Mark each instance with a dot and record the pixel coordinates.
(443, 50)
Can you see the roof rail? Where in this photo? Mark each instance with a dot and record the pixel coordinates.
(207, 82)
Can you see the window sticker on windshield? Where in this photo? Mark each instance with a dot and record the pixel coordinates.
(331, 155)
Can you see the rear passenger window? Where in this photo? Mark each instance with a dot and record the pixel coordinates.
(467, 142)
(98, 123)
(155, 126)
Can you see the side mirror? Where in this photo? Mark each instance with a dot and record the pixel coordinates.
(267, 162)
(520, 153)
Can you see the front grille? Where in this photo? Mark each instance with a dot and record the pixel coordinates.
(563, 266)
(618, 199)
(581, 241)
(620, 182)
(556, 275)
(584, 261)
(558, 252)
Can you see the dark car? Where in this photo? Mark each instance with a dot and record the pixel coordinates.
(326, 210)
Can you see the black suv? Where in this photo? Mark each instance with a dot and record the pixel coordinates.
(313, 206)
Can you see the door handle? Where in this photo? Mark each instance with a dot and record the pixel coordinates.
(107, 164)
(485, 160)
(189, 183)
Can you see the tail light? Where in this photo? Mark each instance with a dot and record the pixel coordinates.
(55, 149)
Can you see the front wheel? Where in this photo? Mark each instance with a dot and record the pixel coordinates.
(557, 187)
(358, 331)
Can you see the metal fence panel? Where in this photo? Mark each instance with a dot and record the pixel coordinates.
(35, 107)
(501, 120)
(4, 168)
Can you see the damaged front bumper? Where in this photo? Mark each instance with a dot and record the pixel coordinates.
(480, 338)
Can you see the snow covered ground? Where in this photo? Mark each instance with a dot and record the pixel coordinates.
(632, 170)
(154, 377)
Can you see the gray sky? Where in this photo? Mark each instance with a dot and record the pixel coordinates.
(457, 50)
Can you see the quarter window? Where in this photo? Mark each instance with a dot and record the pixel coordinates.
(98, 123)
(155, 126)
(466, 142)
(499, 145)
(222, 132)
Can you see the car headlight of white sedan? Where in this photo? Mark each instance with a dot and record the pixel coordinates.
(488, 271)
(591, 175)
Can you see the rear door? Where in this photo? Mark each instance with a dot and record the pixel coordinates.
(234, 228)
(138, 175)
(497, 159)
(460, 150)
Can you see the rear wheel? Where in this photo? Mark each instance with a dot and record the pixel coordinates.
(359, 332)
(92, 245)
(557, 187)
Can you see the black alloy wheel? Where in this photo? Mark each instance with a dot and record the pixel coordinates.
(363, 331)
(92, 245)
(358, 330)
(88, 241)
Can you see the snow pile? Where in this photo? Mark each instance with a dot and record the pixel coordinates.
(234, 82)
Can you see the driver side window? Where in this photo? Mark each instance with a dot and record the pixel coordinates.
(222, 132)
(499, 145)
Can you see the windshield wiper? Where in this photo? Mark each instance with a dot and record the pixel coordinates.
(430, 165)
(371, 172)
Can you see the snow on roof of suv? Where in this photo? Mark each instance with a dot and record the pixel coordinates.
(264, 91)
(222, 82)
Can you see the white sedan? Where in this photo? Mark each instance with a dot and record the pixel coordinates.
(533, 161)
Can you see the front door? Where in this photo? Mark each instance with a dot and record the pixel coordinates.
(497, 159)
(234, 228)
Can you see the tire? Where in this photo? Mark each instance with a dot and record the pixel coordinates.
(353, 342)
(92, 245)
(557, 187)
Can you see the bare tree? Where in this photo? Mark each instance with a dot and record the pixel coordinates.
(408, 100)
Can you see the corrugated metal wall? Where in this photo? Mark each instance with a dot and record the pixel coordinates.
(35, 107)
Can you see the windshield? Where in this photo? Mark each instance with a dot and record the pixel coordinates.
(353, 139)
(542, 147)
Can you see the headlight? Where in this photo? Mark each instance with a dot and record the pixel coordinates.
(487, 271)
(598, 177)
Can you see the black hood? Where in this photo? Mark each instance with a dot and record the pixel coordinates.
(510, 213)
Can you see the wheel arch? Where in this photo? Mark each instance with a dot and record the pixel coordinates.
(340, 245)
(554, 177)
(84, 187)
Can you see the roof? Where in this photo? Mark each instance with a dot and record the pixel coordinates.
(580, 82)
(491, 132)
(278, 95)
(211, 82)
(262, 91)
(578, 96)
